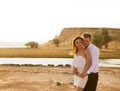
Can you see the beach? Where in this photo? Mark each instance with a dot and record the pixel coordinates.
(52, 78)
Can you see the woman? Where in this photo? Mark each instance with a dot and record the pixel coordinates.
(80, 64)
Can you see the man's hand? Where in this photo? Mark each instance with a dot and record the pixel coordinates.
(83, 75)
(80, 75)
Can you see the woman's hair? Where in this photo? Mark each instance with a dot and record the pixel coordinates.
(74, 48)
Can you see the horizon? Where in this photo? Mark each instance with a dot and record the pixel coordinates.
(22, 44)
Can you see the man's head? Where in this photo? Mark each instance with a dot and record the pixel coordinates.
(86, 38)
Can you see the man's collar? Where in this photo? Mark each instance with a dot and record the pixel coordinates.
(89, 45)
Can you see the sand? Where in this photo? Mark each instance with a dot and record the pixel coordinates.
(45, 78)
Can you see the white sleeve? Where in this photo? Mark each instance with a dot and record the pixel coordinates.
(94, 60)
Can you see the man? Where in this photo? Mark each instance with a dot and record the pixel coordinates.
(94, 68)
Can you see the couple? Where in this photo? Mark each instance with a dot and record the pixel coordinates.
(85, 63)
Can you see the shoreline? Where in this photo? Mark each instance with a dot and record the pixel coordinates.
(52, 62)
(59, 65)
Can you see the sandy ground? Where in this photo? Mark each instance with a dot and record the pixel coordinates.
(40, 78)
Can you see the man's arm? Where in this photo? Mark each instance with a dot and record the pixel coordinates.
(94, 60)
(88, 61)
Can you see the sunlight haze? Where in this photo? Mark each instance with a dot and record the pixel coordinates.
(42, 20)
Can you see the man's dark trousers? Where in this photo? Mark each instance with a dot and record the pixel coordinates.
(92, 82)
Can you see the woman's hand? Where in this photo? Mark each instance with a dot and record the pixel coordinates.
(79, 74)
(74, 69)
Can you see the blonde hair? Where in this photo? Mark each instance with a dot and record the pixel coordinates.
(74, 48)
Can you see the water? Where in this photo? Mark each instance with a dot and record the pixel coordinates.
(55, 61)
(110, 62)
(12, 45)
(36, 61)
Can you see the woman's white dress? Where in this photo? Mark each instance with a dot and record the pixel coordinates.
(79, 63)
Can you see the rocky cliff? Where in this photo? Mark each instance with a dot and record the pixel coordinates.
(67, 34)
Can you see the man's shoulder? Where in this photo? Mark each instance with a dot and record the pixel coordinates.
(93, 47)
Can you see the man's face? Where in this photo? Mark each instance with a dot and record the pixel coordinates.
(87, 41)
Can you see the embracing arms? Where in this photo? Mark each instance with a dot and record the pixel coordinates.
(88, 63)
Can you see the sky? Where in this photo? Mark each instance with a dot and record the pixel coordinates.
(42, 20)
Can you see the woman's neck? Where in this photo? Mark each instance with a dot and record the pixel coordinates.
(80, 49)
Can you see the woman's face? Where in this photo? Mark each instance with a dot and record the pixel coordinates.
(79, 43)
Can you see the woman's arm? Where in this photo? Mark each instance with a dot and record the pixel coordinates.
(74, 70)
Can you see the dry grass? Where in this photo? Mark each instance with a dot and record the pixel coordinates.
(110, 54)
(38, 52)
(51, 52)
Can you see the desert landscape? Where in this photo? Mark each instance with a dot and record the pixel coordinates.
(56, 78)
(36, 38)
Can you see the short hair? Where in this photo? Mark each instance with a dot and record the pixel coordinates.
(86, 35)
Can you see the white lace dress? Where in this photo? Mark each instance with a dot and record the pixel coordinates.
(79, 63)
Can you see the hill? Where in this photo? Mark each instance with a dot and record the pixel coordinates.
(67, 34)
